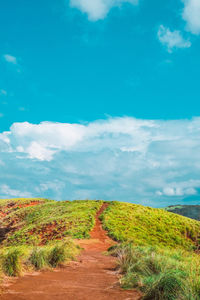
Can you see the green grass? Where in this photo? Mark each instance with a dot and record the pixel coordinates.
(150, 226)
(15, 260)
(50, 220)
(160, 274)
(12, 262)
(156, 254)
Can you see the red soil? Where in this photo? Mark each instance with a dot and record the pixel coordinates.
(92, 277)
(12, 206)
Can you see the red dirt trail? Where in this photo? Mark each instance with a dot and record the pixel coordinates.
(92, 277)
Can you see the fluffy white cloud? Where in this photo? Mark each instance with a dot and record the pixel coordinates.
(10, 59)
(172, 39)
(143, 161)
(191, 14)
(98, 9)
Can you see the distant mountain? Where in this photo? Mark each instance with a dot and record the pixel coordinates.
(190, 211)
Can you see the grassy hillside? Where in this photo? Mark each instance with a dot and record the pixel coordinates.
(156, 253)
(150, 226)
(38, 221)
(190, 211)
(37, 233)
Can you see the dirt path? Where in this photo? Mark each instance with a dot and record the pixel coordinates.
(93, 277)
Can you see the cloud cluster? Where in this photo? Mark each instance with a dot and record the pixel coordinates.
(98, 9)
(191, 14)
(172, 39)
(144, 161)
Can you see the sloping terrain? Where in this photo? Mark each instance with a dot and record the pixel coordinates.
(36, 222)
(154, 250)
(150, 226)
(93, 276)
(189, 211)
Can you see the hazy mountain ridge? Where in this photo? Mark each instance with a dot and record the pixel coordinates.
(189, 211)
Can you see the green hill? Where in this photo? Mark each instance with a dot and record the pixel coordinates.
(157, 250)
(38, 221)
(150, 226)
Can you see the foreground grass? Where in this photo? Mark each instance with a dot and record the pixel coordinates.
(49, 220)
(160, 274)
(15, 260)
(150, 226)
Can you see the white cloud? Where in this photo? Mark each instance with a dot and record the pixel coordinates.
(118, 158)
(172, 39)
(177, 191)
(6, 191)
(10, 59)
(98, 9)
(191, 14)
(183, 188)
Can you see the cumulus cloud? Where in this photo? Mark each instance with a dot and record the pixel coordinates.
(143, 161)
(98, 9)
(172, 39)
(191, 14)
(10, 59)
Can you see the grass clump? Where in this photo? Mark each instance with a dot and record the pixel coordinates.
(61, 253)
(12, 262)
(39, 258)
(159, 274)
(53, 255)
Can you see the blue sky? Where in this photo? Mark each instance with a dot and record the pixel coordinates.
(124, 62)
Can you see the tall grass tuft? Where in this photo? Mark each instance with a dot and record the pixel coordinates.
(61, 252)
(167, 285)
(159, 274)
(11, 262)
(39, 258)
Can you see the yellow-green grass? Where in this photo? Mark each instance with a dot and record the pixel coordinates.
(50, 220)
(150, 226)
(14, 260)
(159, 273)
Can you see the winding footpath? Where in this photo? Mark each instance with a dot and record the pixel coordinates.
(92, 277)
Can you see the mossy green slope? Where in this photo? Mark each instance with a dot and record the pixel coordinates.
(150, 226)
